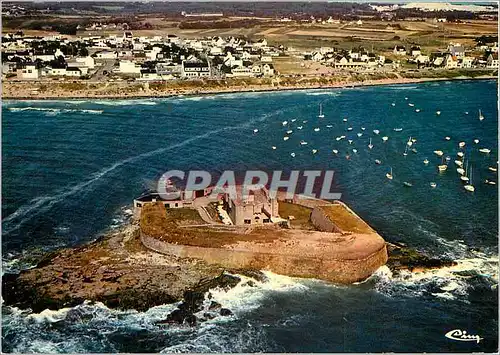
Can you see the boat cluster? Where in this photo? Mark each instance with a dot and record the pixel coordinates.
(463, 166)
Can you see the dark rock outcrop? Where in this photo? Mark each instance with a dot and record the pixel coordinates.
(404, 258)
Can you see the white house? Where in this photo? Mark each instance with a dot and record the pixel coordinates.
(29, 71)
(492, 61)
(267, 69)
(129, 67)
(422, 59)
(450, 62)
(73, 71)
(399, 50)
(106, 55)
(195, 69)
(88, 61)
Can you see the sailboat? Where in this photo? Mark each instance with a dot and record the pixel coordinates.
(469, 186)
(464, 177)
(405, 153)
(407, 184)
(389, 175)
(370, 146)
(442, 167)
(321, 115)
(481, 117)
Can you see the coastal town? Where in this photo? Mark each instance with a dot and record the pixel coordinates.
(169, 57)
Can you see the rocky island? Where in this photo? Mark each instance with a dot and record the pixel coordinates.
(168, 255)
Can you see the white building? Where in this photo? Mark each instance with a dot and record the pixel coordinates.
(28, 72)
(129, 67)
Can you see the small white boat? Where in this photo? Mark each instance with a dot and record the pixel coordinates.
(274, 147)
(316, 129)
(481, 116)
(303, 143)
(359, 134)
(411, 105)
(442, 168)
(460, 154)
(490, 182)
(466, 112)
(433, 184)
(284, 123)
(363, 128)
(447, 138)
(389, 175)
(335, 151)
(345, 120)
(476, 141)
(321, 115)
(305, 121)
(407, 184)
(255, 130)
(286, 138)
(293, 155)
(385, 138)
(485, 150)
(314, 151)
(490, 168)
(461, 171)
(294, 119)
(289, 131)
(438, 113)
(370, 145)
(458, 163)
(438, 152)
(342, 137)
(393, 104)
(406, 98)
(350, 141)
(417, 110)
(329, 126)
(410, 142)
(397, 129)
(464, 176)
(469, 186)
(338, 138)
(448, 158)
(376, 131)
(461, 144)
(378, 162)
(349, 128)
(426, 161)
(354, 150)
(414, 140)
(299, 127)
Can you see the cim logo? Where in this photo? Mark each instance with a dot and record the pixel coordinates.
(461, 335)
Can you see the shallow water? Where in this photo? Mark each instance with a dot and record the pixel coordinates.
(66, 163)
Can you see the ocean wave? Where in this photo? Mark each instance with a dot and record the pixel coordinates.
(54, 111)
(125, 102)
(244, 298)
(447, 282)
(322, 93)
(223, 334)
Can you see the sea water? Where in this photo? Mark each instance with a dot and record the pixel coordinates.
(72, 168)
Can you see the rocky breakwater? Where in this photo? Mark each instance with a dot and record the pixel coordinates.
(120, 272)
(342, 257)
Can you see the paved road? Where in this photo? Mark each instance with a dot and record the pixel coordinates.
(107, 65)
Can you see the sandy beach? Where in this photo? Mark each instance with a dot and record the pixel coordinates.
(26, 90)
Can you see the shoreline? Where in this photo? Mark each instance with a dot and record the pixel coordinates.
(237, 89)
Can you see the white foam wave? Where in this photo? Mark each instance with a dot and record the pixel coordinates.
(126, 102)
(244, 298)
(321, 93)
(452, 280)
(54, 111)
(44, 203)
